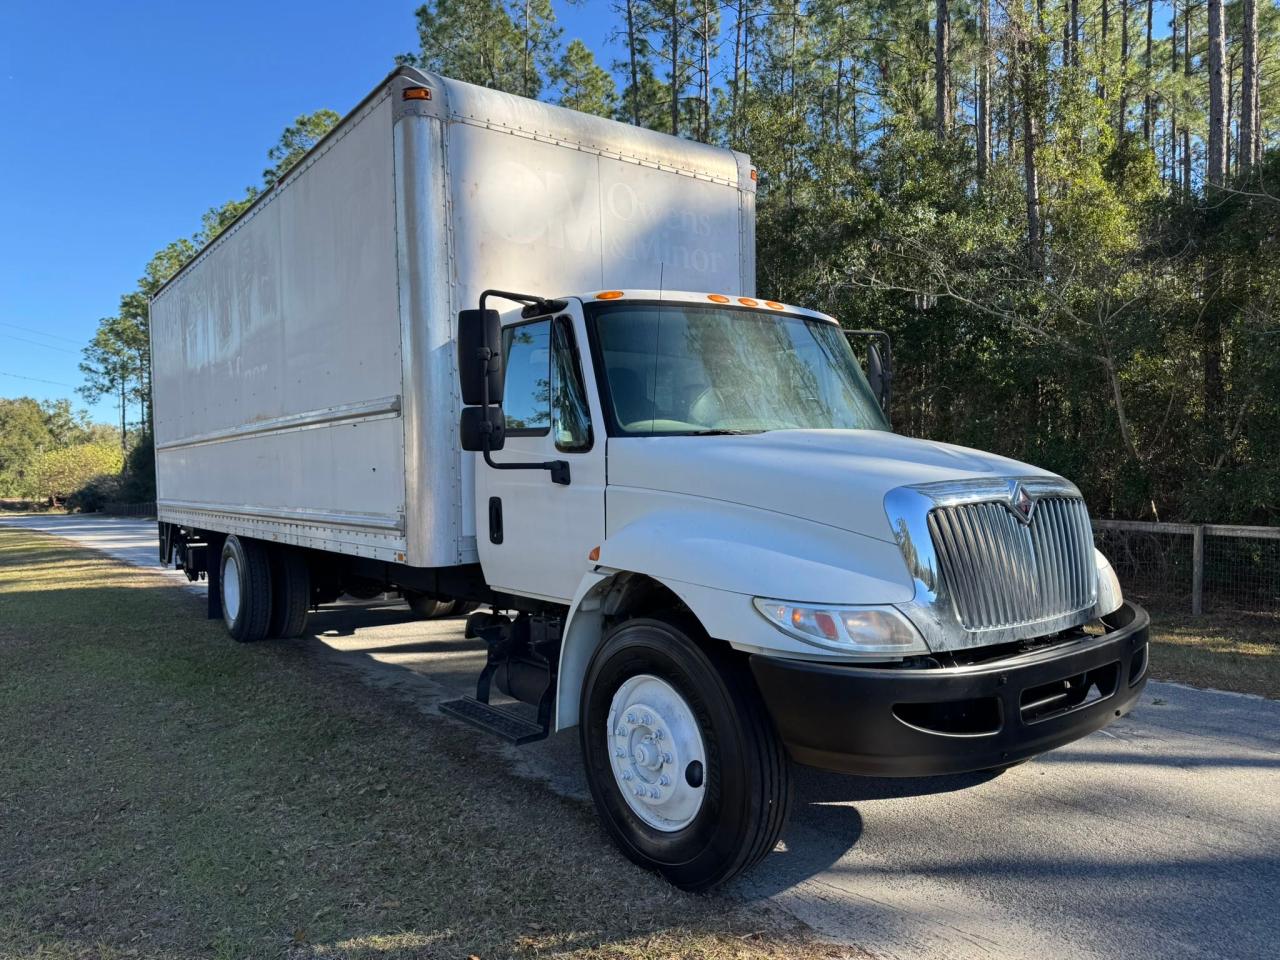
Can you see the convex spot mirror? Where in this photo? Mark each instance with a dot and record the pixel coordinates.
(479, 421)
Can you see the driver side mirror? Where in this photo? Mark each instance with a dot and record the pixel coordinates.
(480, 337)
(876, 376)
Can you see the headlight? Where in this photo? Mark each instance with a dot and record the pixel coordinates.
(1110, 598)
(874, 630)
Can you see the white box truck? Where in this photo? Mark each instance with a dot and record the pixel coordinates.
(694, 536)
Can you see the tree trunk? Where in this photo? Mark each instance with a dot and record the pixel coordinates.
(1216, 168)
(1186, 72)
(705, 133)
(1030, 171)
(631, 51)
(1075, 32)
(1148, 107)
(984, 88)
(528, 41)
(1250, 135)
(1172, 141)
(1229, 143)
(942, 69)
(124, 409)
(1124, 65)
(737, 74)
(1104, 57)
(675, 68)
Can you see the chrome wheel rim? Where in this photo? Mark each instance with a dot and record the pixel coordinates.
(231, 587)
(656, 753)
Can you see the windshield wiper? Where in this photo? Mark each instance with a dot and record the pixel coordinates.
(721, 432)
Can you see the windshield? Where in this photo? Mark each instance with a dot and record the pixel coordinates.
(686, 369)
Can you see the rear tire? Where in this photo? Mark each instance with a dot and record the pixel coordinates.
(661, 671)
(246, 588)
(290, 593)
(424, 605)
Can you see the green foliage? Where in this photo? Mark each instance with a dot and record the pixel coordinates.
(29, 428)
(485, 43)
(55, 474)
(582, 84)
(299, 137)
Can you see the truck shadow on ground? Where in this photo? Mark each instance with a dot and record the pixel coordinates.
(826, 824)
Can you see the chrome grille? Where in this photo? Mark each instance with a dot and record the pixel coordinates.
(1001, 572)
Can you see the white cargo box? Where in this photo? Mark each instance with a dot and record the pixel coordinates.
(304, 370)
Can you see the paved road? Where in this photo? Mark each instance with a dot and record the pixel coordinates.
(1158, 837)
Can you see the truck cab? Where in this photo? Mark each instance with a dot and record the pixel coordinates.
(754, 568)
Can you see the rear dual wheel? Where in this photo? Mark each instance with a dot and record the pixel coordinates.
(266, 589)
(432, 608)
(683, 762)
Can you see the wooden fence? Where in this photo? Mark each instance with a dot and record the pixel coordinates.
(1203, 566)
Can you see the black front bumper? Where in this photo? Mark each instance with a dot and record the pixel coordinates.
(896, 722)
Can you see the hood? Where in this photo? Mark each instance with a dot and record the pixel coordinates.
(834, 477)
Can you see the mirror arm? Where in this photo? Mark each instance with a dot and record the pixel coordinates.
(559, 468)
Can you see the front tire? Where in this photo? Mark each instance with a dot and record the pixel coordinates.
(683, 762)
(246, 588)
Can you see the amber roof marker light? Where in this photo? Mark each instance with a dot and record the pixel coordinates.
(416, 93)
(774, 305)
(748, 302)
(609, 295)
(717, 298)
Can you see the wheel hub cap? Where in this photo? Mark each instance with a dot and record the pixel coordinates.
(652, 738)
(231, 587)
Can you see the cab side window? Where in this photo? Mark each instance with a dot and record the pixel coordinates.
(572, 415)
(527, 390)
(543, 390)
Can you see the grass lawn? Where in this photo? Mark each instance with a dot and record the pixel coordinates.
(165, 792)
(1238, 652)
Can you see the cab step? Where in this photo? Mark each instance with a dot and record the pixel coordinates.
(498, 721)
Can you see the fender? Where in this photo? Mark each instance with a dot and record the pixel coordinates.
(716, 557)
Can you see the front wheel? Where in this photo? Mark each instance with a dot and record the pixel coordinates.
(683, 762)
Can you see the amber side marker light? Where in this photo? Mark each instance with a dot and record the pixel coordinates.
(717, 298)
(748, 302)
(773, 305)
(594, 555)
(416, 93)
(609, 295)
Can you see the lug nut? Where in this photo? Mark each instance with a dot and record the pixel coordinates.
(640, 791)
(655, 793)
(666, 757)
(626, 774)
(657, 736)
(619, 753)
(664, 781)
(648, 720)
(631, 718)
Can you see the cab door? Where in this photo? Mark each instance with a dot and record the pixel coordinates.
(534, 535)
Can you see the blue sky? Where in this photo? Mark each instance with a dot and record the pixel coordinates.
(124, 121)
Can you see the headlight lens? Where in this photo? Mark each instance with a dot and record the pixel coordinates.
(872, 630)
